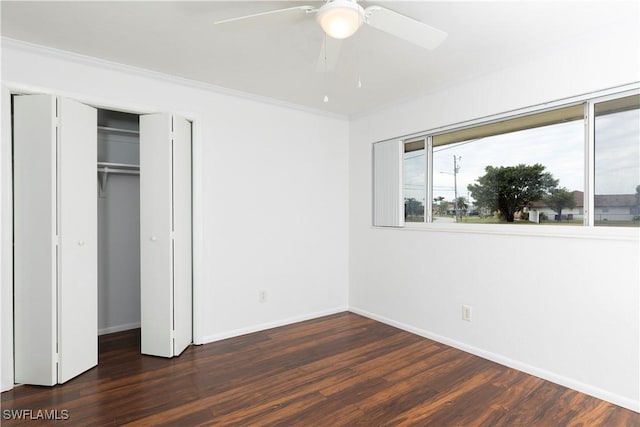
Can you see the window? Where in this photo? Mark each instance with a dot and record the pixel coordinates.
(414, 182)
(530, 168)
(617, 162)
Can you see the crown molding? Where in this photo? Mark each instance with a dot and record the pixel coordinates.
(19, 45)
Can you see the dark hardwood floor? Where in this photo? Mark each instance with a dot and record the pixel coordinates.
(337, 370)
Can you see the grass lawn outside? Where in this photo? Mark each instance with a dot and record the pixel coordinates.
(496, 220)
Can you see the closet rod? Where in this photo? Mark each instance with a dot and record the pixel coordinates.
(120, 171)
(118, 130)
(110, 170)
(121, 166)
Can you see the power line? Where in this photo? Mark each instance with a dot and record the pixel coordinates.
(459, 144)
(414, 157)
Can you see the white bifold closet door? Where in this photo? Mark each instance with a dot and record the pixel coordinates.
(55, 235)
(165, 234)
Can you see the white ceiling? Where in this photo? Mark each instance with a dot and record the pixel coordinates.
(277, 57)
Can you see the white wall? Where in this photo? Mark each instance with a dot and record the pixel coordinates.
(277, 220)
(271, 195)
(563, 307)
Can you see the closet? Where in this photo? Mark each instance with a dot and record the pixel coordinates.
(118, 180)
(98, 254)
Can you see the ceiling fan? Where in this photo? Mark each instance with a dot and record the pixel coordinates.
(342, 18)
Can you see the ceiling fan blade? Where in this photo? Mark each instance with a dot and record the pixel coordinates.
(331, 48)
(306, 9)
(404, 27)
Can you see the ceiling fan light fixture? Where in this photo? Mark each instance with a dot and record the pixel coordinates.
(340, 18)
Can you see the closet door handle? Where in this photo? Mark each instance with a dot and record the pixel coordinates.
(153, 238)
(80, 242)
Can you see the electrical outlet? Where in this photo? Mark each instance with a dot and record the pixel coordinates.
(262, 295)
(466, 313)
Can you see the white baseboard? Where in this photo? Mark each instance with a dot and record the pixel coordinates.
(118, 328)
(614, 398)
(263, 326)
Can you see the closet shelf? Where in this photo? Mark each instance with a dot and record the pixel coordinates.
(118, 130)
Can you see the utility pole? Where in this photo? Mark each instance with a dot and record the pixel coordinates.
(456, 169)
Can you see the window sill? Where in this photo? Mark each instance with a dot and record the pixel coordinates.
(556, 231)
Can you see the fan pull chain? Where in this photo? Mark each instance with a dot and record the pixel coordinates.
(326, 96)
(359, 63)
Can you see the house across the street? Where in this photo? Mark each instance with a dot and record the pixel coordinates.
(608, 207)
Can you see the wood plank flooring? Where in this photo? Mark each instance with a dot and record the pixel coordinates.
(337, 370)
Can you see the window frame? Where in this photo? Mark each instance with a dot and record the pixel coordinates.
(588, 102)
(591, 150)
(405, 143)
